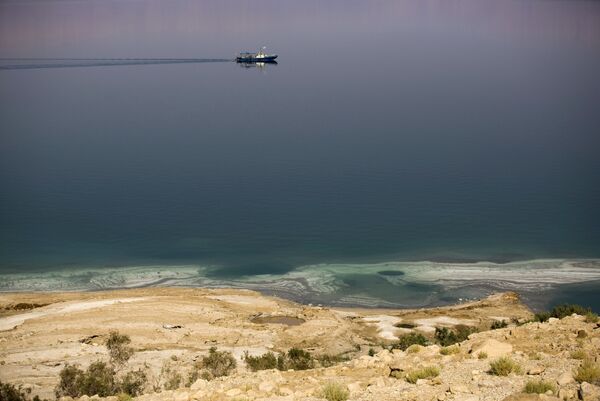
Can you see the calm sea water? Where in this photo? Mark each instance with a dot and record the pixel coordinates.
(389, 130)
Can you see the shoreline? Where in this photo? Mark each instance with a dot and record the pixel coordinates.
(174, 326)
(388, 285)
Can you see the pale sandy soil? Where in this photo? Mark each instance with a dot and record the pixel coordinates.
(36, 344)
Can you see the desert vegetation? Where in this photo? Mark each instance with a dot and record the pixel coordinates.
(564, 310)
(407, 340)
(591, 317)
(261, 362)
(103, 378)
(446, 337)
(450, 350)
(426, 372)
(9, 392)
(295, 358)
(504, 366)
(539, 387)
(215, 364)
(578, 354)
(413, 349)
(588, 371)
(333, 391)
(498, 324)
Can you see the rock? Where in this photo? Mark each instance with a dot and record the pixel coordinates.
(422, 382)
(548, 397)
(530, 397)
(355, 387)
(536, 370)
(180, 396)
(286, 391)
(487, 384)
(199, 384)
(565, 379)
(363, 362)
(589, 392)
(377, 382)
(553, 320)
(266, 387)
(493, 348)
(459, 388)
(233, 392)
(400, 364)
(566, 394)
(172, 326)
(469, 398)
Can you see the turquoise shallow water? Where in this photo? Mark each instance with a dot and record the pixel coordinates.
(390, 131)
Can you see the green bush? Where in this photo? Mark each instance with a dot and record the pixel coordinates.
(334, 392)
(118, 348)
(372, 352)
(69, 382)
(504, 366)
(173, 380)
(218, 363)
(482, 355)
(564, 310)
(591, 317)
(539, 387)
(326, 360)
(588, 372)
(133, 382)
(99, 378)
(498, 324)
(262, 362)
(446, 337)
(9, 392)
(407, 340)
(423, 373)
(298, 359)
(542, 316)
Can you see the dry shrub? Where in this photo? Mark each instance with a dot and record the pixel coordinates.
(426, 372)
(539, 387)
(504, 366)
(334, 392)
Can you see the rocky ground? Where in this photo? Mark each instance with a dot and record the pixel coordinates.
(40, 333)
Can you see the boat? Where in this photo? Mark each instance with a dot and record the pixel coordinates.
(260, 57)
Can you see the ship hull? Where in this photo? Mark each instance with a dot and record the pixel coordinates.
(267, 59)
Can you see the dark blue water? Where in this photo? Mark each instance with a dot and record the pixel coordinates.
(389, 130)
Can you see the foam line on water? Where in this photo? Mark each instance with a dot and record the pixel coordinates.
(328, 283)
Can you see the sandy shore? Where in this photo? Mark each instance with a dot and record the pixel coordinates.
(71, 327)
